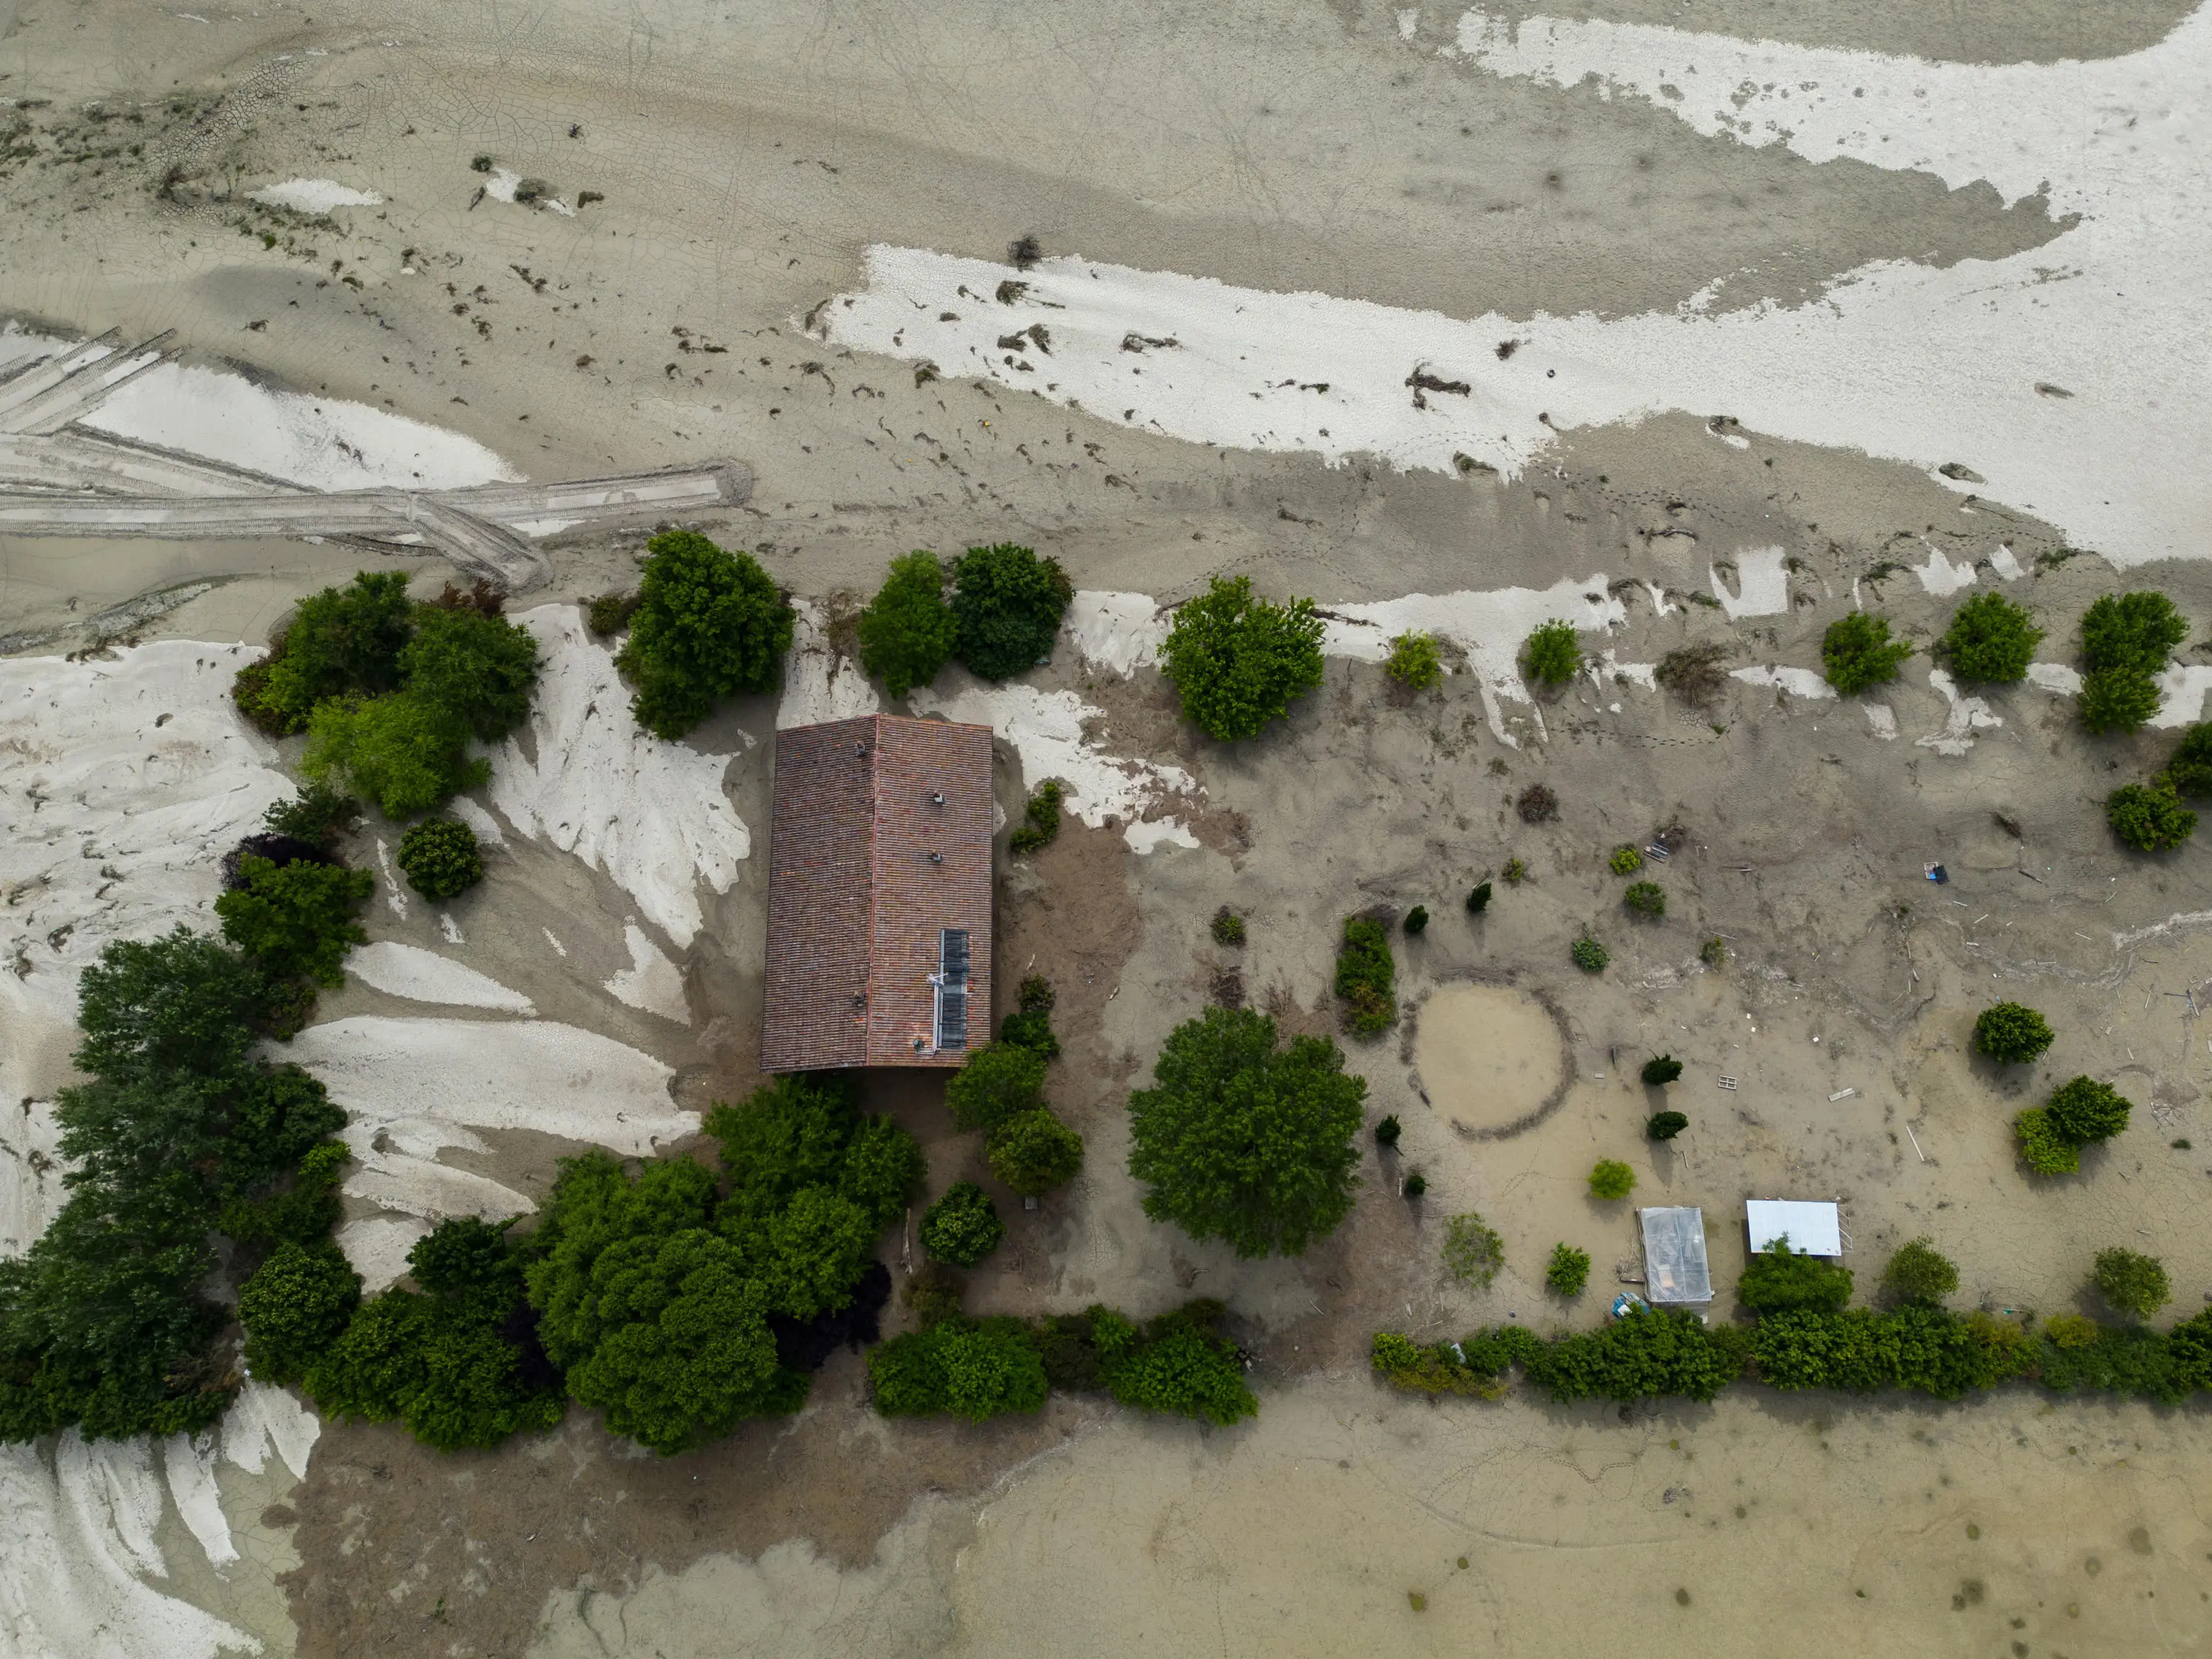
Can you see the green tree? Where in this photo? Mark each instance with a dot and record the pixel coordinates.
(2148, 818)
(2086, 1110)
(1779, 1279)
(180, 1003)
(2132, 1284)
(294, 1307)
(341, 640)
(1238, 661)
(402, 751)
(1661, 1070)
(2012, 1034)
(961, 1227)
(1239, 1140)
(1007, 604)
(709, 624)
(1414, 662)
(882, 1172)
(1857, 652)
(297, 920)
(2042, 1147)
(908, 632)
(2130, 633)
(792, 1131)
(1991, 641)
(1181, 1365)
(2118, 699)
(2189, 772)
(1611, 1179)
(1034, 1152)
(1665, 1126)
(311, 816)
(999, 1081)
(811, 1252)
(1918, 1273)
(1568, 1271)
(1551, 655)
(440, 859)
(479, 670)
(976, 1369)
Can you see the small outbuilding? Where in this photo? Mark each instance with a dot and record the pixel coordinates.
(1812, 1229)
(1675, 1271)
(880, 895)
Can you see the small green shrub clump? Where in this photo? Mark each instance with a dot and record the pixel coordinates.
(294, 1307)
(1626, 861)
(1661, 1070)
(440, 859)
(1665, 1126)
(1515, 873)
(1610, 1179)
(313, 816)
(2118, 701)
(2125, 641)
(2148, 817)
(2012, 1034)
(1857, 652)
(1227, 928)
(1007, 604)
(2085, 1110)
(1030, 1023)
(1714, 952)
(908, 632)
(959, 1367)
(1551, 655)
(1388, 1131)
(709, 624)
(610, 612)
(962, 1227)
(1238, 661)
(2042, 1148)
(1779, 1279)
(1991, 641)
(1478, 898)
(1588, 955)
(1040, 818)
(999, 1082)
(1417, 920)
(1475, 1365)
(1034, 1151)
(2131, 1283)
(1918, 1274)
(1414, 662)
(1414, 1185)
(1473, 1251)
(2189, 774)
(1568, 1271)
(1366, 978)
(1645, 898)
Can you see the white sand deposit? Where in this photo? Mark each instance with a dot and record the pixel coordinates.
(421, 975)
(819, 684)
(315, 195)
(651, 982)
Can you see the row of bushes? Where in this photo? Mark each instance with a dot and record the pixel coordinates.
(1000, 619)
(1000, 1091)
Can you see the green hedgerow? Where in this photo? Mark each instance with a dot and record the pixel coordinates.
(2042, 1148)
(2012, 1034)
(709, 624)
(962, 1227)
(1041, 818)
(1645, 898)
(1550, 655)
(1238, 661)
(908, 632)
(1918, 1272)
(1991, 641)
(1007, 604)
(441, 859)
(1665, 1126)
(1568, 1271)
(1661, 1070)
(1473, 1251)
(1611, 1179)
(2148, 818)
(2132, 1284)
(1626, 861)
(1588, 955)
(1366, 978)
(1478, 898)
(1857, 652)
(1414, 662)
(976, 1369)
(1227, 928)
(2189, 773)
(1779, 1279)
(2085, 1111)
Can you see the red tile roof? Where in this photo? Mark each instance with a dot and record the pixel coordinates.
(879, 842)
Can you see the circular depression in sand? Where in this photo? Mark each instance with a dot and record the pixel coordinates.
(1490, 1058)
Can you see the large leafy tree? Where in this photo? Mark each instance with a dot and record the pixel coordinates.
(709, 624)
(183, 1002)
(1241, 1140)
(1007, 604)
(294, 1307)
(297, 920)
(339, 641)
(999, 1081)
(402, 751)
(1238, 660)
(908, 632)
(478, 668)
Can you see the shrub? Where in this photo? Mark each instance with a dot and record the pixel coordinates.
(1918, 1273)
(962, 1227)
(1661, 1070)
(2072, 1330)
(999, 1082)
(1549, 655)
(1239, 1140)
(402, 751)
(2130, 633)
(1478, 899)
(1588, 955)
(809, 1256)
(1646, 1355)
(440, 859)
(1034, 1152)
(1239, 661)
(882, 1170)
(908, 632)
(1991, 641)
(303, 1214)
(610, 613)
(934, 1293)
(709, 624)
(1665, 1126)
(1645, 898)
(294, 1308)
(1693, 673)
(1030, 1023)
(1515, 873)
(2148, 818)
(313, 816)
(478, 670)
(1779, 1279)
(1714, 952)
(2189, 772)
(2132, 1284)
(2086, 1110)
(1536, 804)
(1413, 661)
(1568, 1271)
(1624, 861)
(1227, 928)
(1181, 1365)
(2012, 1034)
(1388, 1131)
(1417, 920)
(341, 640)
(976, 1369)
(1041, 818)
(1610, 1179)
(1473, 1251)
(1366, 978)
(2042, 1148)
(2118, 699)
(1006, 607)
(1414, 1185)
(1857, 652)
(297, 920)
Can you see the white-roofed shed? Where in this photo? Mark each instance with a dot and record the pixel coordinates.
(1812, 1229)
